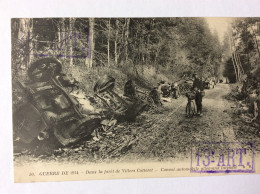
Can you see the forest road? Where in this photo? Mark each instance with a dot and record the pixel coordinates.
(172, 133)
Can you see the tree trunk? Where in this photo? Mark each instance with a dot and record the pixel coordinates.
(237, 65)
(240, 64)
(62, 35)
(256, 42)
(127, 22)
(116, 37)
(63, 45)
(91, 45)
(30, 41)
(232, 56)
(234, 64)
(16, 60)
(108, 43)
(148, 59)
(25, 35)
(71, 35)
(234, 59)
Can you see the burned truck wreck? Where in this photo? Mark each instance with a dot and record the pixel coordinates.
(49, 116)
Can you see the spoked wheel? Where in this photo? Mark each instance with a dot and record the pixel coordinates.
(44, 69)
(106, 83)
(190, 109)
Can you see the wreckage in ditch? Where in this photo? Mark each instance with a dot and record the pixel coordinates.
(48, 114)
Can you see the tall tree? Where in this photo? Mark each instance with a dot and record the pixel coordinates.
(91, 44)
(25, 37)
(116, 42)
(108, 42)
(71, 37)
(127, 23)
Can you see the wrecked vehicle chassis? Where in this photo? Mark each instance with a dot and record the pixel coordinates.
(52, 117)
(49, 113)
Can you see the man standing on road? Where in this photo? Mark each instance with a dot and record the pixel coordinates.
(199, 90)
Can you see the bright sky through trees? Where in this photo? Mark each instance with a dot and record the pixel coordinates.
(220, 24)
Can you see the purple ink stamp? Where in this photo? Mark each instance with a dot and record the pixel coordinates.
(222, 157)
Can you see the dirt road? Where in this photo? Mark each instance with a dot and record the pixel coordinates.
(172, 133)
(161, 135)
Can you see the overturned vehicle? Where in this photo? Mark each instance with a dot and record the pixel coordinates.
(47, 115)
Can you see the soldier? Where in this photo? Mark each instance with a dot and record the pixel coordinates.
(175, 90)
(155, 95)
(129, 89)
(199, 90)
(165, 89)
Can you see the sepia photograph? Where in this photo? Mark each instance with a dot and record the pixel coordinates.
(134, 97)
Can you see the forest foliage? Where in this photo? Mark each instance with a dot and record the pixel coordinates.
(241, 48)
(147, 48)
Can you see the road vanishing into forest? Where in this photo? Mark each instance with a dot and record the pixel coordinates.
(163, 134)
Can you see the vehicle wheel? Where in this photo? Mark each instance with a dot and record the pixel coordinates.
(44, 69)
(104, 84)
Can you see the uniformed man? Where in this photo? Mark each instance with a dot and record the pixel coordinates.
(129, 89)
(175, 90)
(199, 90)
(155, 95)
(165, 89)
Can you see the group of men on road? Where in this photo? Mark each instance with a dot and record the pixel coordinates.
(166, 90)
(169, 89)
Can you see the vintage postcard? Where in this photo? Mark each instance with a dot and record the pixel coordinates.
(109, 98)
